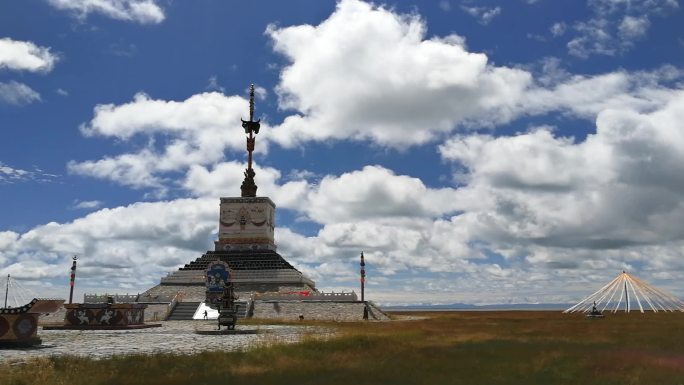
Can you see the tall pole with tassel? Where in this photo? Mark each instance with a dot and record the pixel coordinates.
(363, 277)
(363, 284)
(72, 282)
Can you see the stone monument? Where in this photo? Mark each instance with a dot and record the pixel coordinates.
(245, 244)
(258, 281)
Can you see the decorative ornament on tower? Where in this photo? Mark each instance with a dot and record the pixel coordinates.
(251, 127)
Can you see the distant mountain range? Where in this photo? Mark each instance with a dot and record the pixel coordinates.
(469, 307)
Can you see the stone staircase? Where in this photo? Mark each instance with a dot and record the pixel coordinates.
(183, 311)
(375, 313)
(241, 309)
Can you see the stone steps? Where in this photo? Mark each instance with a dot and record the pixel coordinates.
(183, 311)
(241, 309)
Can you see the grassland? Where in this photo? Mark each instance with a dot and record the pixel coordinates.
(443, 348)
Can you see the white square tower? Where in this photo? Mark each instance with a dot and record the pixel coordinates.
(246, 223)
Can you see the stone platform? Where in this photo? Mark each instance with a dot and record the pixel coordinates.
(107, 316)
(339, 311)
(252, 271)
(100, 327)
(226, 332)
(176, 337)
(18, 344)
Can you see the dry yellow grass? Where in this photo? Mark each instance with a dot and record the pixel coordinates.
(444, 348)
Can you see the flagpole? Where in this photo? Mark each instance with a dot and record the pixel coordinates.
(363, 277)
(363, 283)
(73, 279)
(7, 290)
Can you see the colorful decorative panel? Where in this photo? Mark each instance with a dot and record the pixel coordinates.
(95, 315)
(218, 276)
(17, 327)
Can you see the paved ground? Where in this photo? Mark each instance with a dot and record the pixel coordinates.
(173, 337)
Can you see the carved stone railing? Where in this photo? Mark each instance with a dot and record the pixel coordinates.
(159, 298)
(303, 296)
(174, 301)
(104, 298)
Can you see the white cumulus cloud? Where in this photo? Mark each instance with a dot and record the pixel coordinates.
(634, 27)
(224, 179)
(25, 56)
(195, 131)
(17, 94)
(384, 81)
(619, 188)
(375, 192)
(586, 96)
(128, 245)
(140, 11)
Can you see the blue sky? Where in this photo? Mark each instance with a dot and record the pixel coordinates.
(476, 151)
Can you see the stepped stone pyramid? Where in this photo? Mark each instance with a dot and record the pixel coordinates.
(268, 286)
(245, 242)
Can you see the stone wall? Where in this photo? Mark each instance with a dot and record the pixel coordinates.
(57, 318)
(103, 298)
(308, 296)
(164, 293)
(94, 315)
(315, 310)
(156, 312)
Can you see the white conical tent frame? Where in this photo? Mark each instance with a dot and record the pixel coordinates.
(14, 294)
(624, 290)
